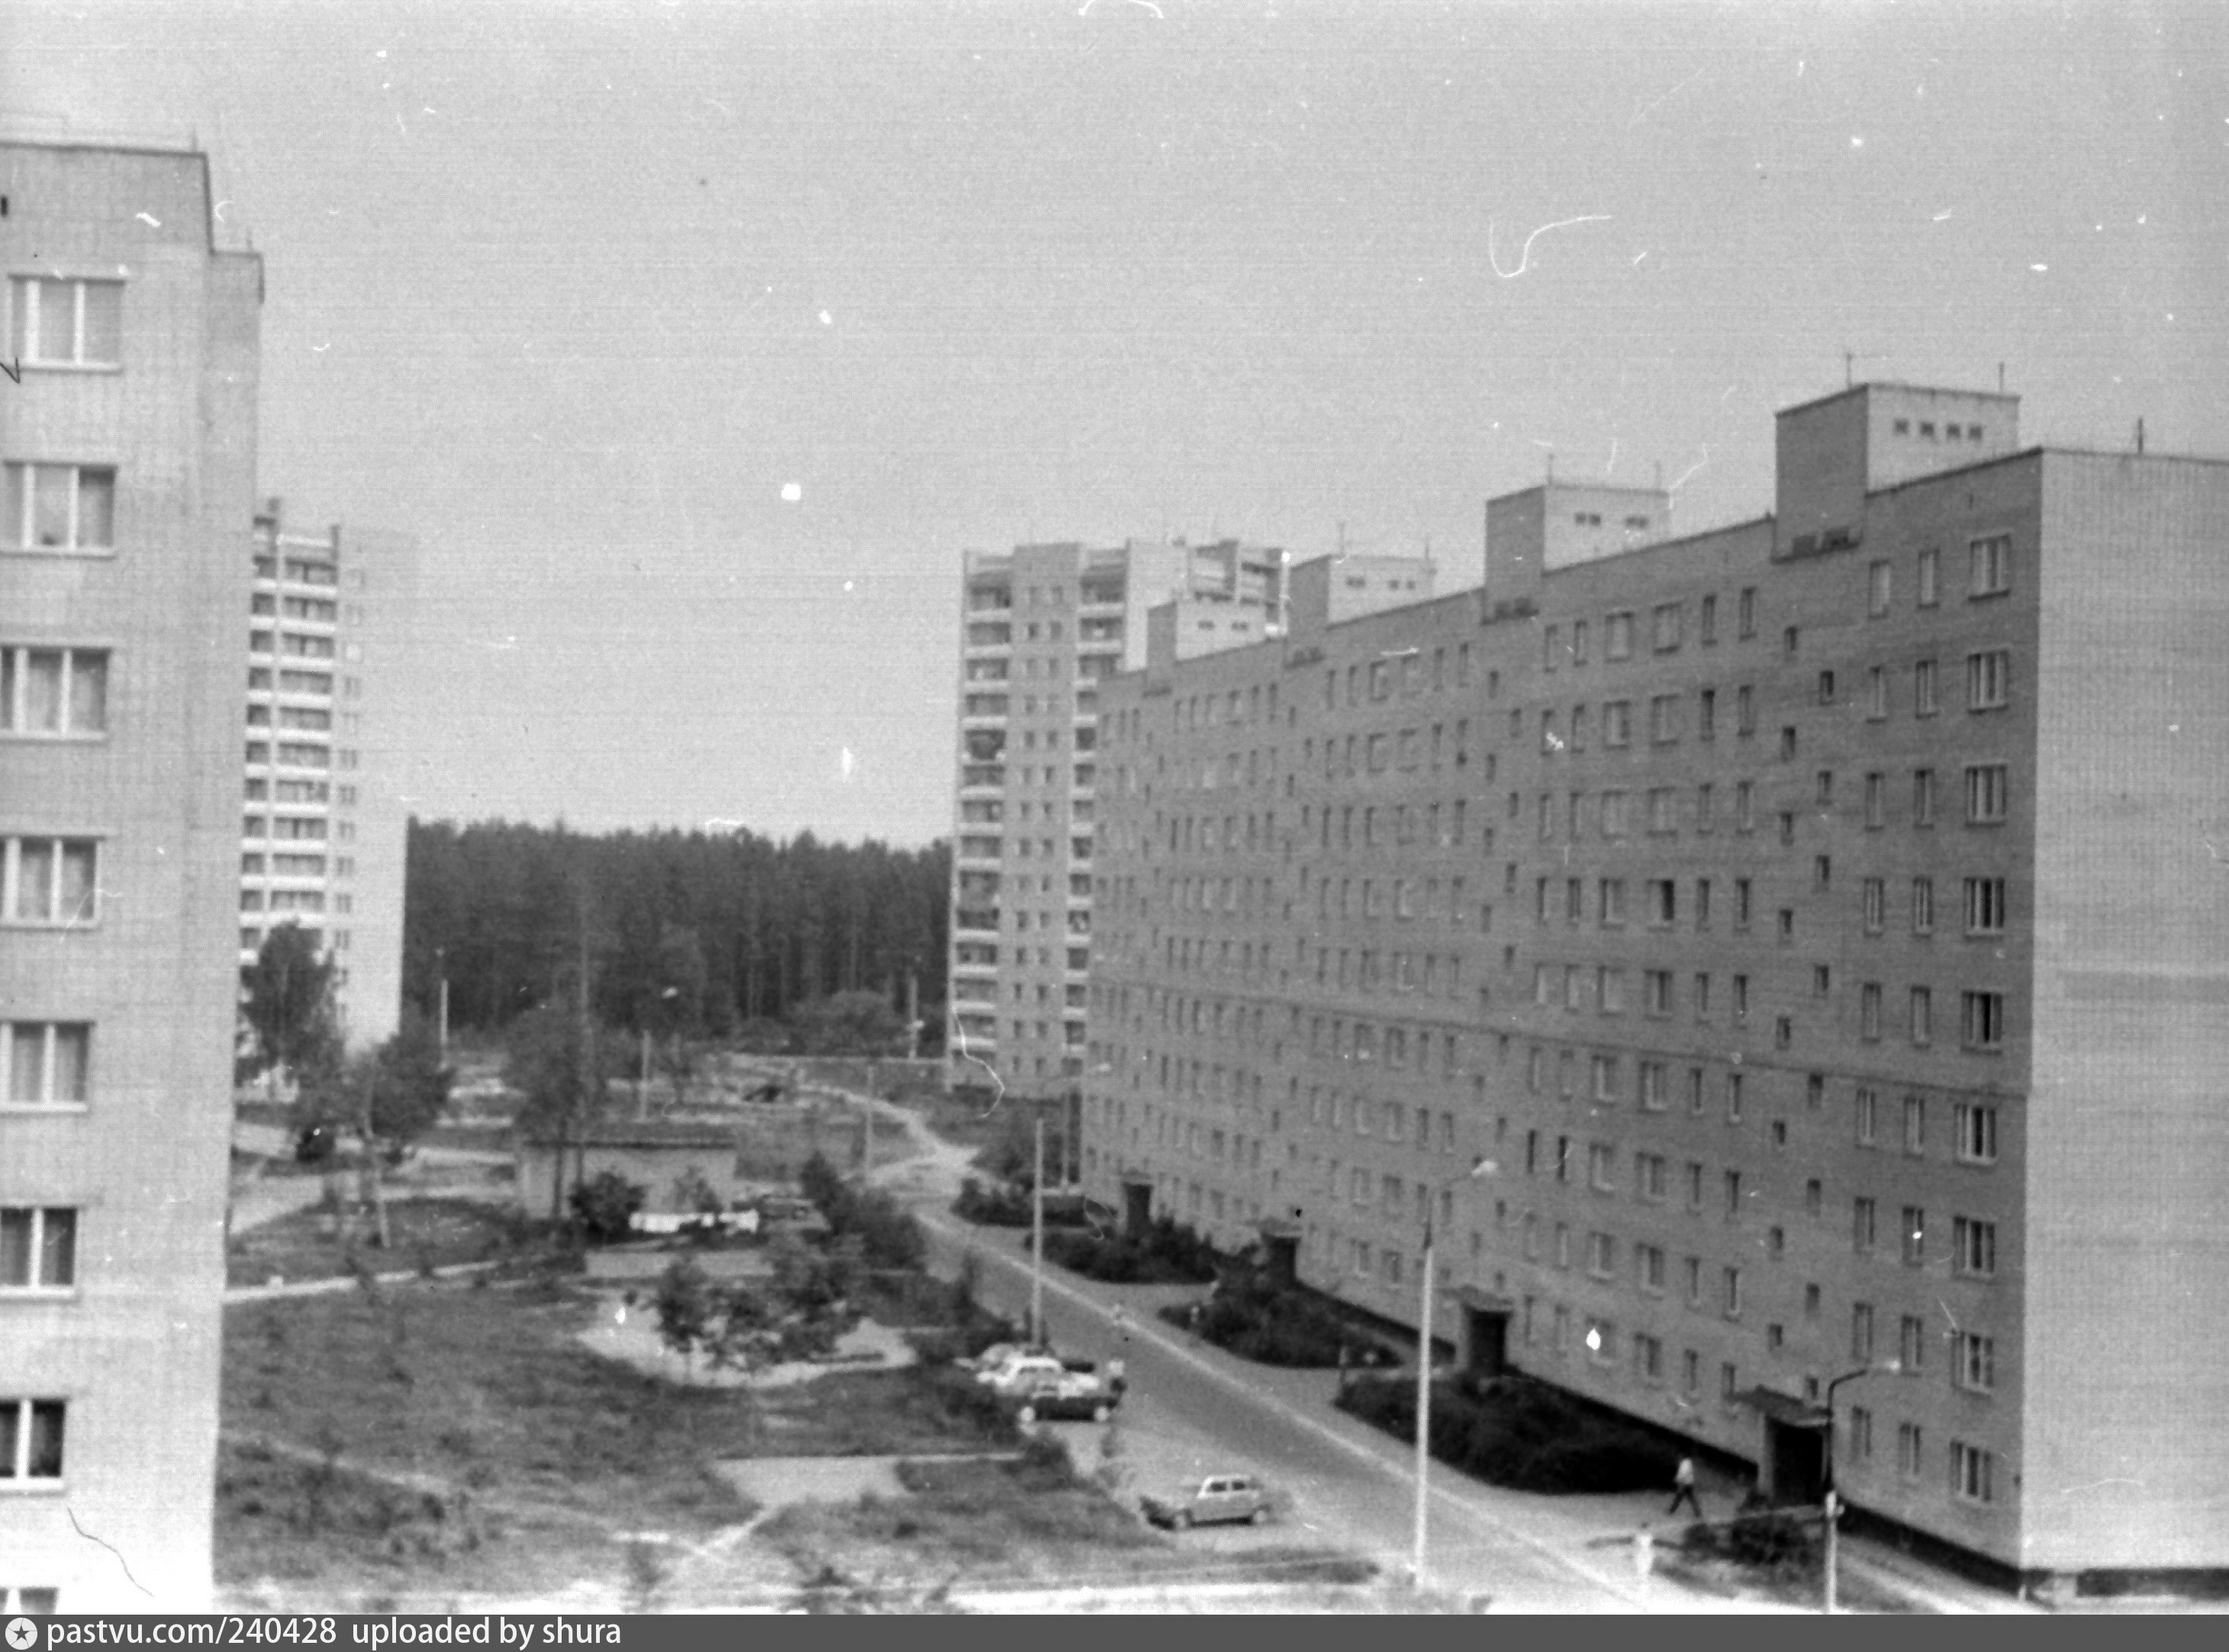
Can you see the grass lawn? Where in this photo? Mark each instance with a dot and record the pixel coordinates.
(427, 1232)
(527, 1459)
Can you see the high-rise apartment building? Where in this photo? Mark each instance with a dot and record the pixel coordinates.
(1813, 931)
(129, 449)
(323, 828)
(1041, 626)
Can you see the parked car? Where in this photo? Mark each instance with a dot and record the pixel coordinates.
(1218, 1497)
(1018, 1370)
(1071, 1396)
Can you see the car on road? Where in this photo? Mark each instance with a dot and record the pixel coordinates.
(1071, 1396)
(1215, 1497)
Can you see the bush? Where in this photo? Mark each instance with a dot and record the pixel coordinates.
(603, 1204)
(1769, 1540)
(1257, 1319)
(1515, 1432)
(991, 1207)
(888, 1235)
(1168, 1255)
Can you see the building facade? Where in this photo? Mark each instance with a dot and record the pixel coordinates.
(1785, 963)
(129, 448)
(323, 828)
(1042, 626)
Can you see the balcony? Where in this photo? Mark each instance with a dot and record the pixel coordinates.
(972, 776)
(976, 920)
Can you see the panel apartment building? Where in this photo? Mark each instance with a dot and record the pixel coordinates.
(1041, 626)
(129, 449)
(1813, 929)
(323, 830)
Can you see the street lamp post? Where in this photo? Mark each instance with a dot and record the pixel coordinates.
(1833, 1501)
(1479, 1168)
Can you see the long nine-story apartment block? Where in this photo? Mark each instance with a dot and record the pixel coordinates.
(1812, 928)
(129, 448)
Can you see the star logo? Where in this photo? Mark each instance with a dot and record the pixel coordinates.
(23, 1634)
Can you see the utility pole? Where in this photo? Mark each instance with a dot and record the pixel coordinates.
(1037, 1244)
(441, 969)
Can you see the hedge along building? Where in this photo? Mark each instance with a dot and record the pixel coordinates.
(1810, 920)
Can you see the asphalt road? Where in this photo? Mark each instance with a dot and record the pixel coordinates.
(1191, 1412)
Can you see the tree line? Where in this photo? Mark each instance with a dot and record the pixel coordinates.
(673, 933)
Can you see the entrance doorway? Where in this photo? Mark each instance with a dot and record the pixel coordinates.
(1137, 1209)
(1487, 1342)
(1795, 1461)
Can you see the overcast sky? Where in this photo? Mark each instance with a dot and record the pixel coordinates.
(573, 293)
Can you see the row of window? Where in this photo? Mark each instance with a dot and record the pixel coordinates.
(1666, 631)
(1986, 903)
(1576, 815)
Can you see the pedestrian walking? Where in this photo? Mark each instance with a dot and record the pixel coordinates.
(1683, 1488)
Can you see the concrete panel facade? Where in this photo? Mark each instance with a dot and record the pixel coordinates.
(118, 1005)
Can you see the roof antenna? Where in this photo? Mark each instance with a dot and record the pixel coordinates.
(2001, 378)
(2140, 435)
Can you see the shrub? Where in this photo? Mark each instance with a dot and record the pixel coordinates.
(1258, 1318)
(991, 1207)
(603, 1204)
(1168, 1255)
(888, 1235)
(1513, 1432)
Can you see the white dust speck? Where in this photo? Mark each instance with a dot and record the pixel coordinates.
(792, 493)
(2039, 268)
(149, 218)
(844, 761)
(827, 320)
(847, 588)
(1856, 141)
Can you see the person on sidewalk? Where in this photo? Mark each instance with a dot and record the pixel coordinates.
(1683, 1488)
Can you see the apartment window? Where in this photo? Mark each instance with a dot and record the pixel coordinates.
(53, 691)
(1985, 906)
(1665, 622)
(1730, 1297)
(1879, 582)
(1973, 1472)
(1744, 807)
(60, 323)
(1976, 1369)
(1915, 1125)
(1876, 801)
(1876, 905)
(1930, 573)
(1706, 714)
(1605, 1072)
(1610, 891)
(1922, 1015)
(1663, 810)
(1702, 903)
(1864, 1224)
(1788, 743)
(1908, 1456)
(1663, 901)
(1614, 821)
(1911, 1344)
(1974, 1247)
(1741, 997)
(1858, 1435)
(1656, 992)
(1610, 985)
(1648, 1268)
(1617, 723)
(1707, 620)
(1601, 1255)
(1735, 1084)
(1868, 1116)
(38, 1249)
(1744, 710)
(1825, 688)
(1702, 995)
(30, 1440)
(1861, 1333)
(1922, 906)
(1617, 636)
(1647, 1358)
(1982, 1021)
(1923, 797)
(60, 507)
(1741, 903)
(1664, 718)
(1914, 1236)
(1923, 689)
(1649, 1172)
(1989, 680)
(1975, 1126)
(1745, 611)
(49, 881)
(1987, 789)
(1990, 564)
